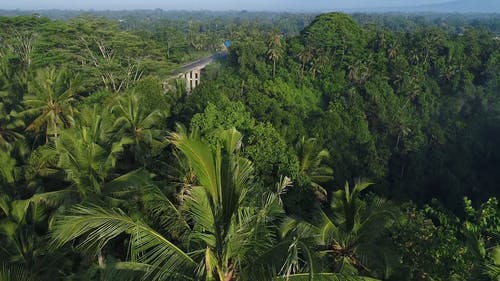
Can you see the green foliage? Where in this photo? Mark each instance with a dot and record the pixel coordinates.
(442, 246)
(151, 94)
(11, 274)
(87, 160)
(351, 235)
(431, 249)
(138, 123)
(49, 101)
(8, 171)
(225, 234)
(264, 145)
(220, 118)
(336, 33)
(269, 151)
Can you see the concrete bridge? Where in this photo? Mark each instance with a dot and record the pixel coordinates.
(191, 72)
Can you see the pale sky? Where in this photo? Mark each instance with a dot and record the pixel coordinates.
(274, 5)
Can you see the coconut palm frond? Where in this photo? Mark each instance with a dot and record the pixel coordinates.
(324, 277)
(15, 274)
(97, 226)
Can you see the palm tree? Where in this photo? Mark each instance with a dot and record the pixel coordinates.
(8, 170)
(83, 156)
(393, 49)
(217, 234)
(305, 58)
(23, 251)
(350, 235)
(275, 50)
(138, 124)
(181, 176)
(359, 72)
(311, 161)
(49, 99)
(88, 156)
(14, 77)
(239, 230)
(9, 128)
(13, 81)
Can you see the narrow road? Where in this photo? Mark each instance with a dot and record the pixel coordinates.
(199, 62)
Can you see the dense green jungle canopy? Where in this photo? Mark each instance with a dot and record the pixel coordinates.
(328, 147)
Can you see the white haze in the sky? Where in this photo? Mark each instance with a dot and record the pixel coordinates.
(274, 5)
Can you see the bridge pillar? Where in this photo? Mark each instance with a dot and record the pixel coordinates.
(193, 79)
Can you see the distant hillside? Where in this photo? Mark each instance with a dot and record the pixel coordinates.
(457, 6)
(462, 6)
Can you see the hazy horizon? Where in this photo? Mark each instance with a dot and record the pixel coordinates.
(215, 5)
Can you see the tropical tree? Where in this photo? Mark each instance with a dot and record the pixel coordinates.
(336, 36)
(275, 49)
(8, 170)
(481, 229)
(305, 57)
(349, 236)
(235, 225)
(138, 124)
(88, 157)
(220, 235)
(181, 176)
(359, 237)
(50, 101)
(23, 250)
(10, 124)
(13, 81)
(14, 77)
(311, 164)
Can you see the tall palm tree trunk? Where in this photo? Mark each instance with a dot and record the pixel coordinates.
(274, 68)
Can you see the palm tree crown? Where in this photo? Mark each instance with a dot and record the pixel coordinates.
(49, 99)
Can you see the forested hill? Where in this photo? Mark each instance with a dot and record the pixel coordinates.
(337, 151)
(415, 112)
